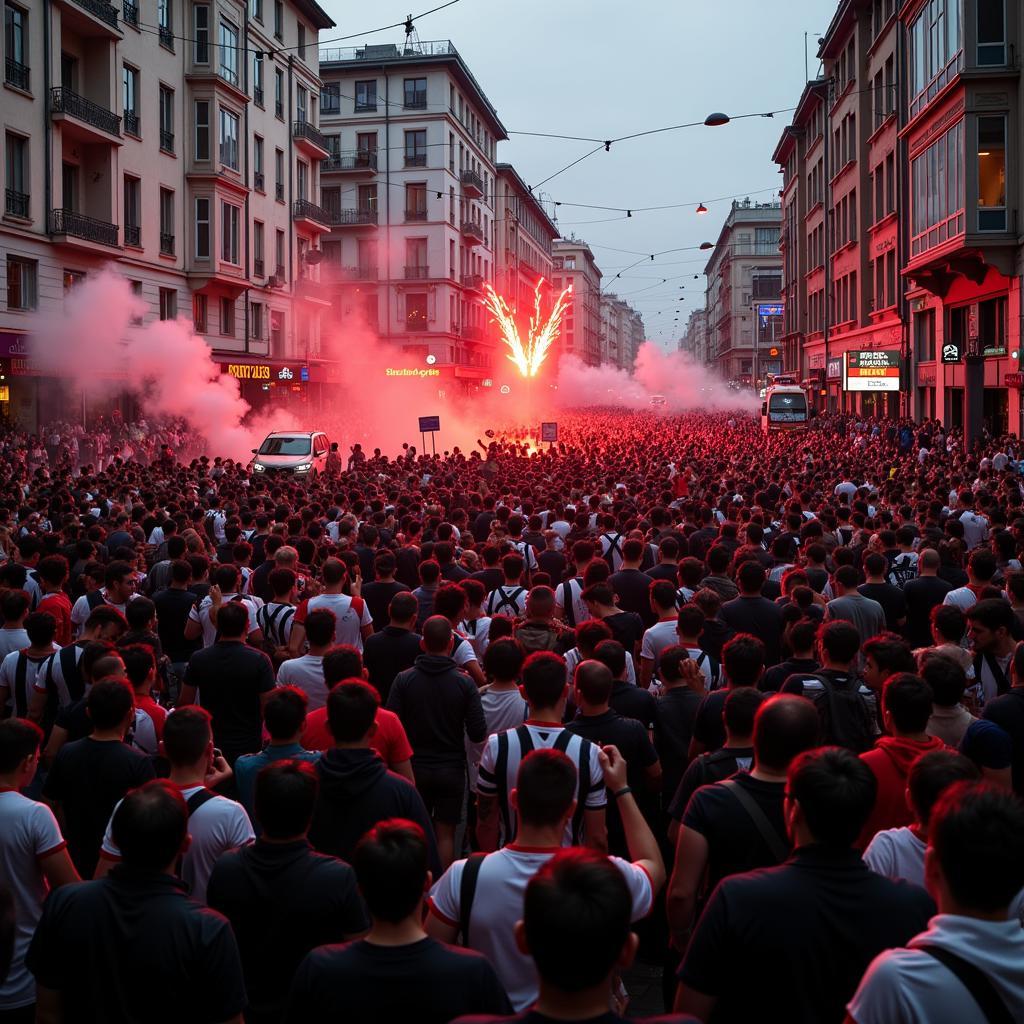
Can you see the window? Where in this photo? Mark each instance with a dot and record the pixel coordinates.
(257, 248)
(136, 318)
(279, 93)
(168, 303)
(416, 311)
(17, 191)
(937, 191)
(416, 202)
(924, 335)
(366, 95)
(229, 138)
(227, 317)
(256, 321)
(279, 18)
(257, 163)
(132, 210)
(257, 78)
(199, 313)
(16, 45)
(330, 98)
(201, 34)
(302, 179)
(166, 119)
(279, 174)
(416, 258)
(415, 93)
(130, 98)
(202, 228)
(69, 186)
(166, 222)
(229, 233)
(992, 172)
(766, 241)
(416, 148)
(228, 48)
(302, 40)
(992, 326)
(279, 253)
(366, 198)
(21, 283)
(202, 129)
(301, 102)
(935, 50)
(991, 33)
(256, 7)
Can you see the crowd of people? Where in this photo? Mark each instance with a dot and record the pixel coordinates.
(471, 735)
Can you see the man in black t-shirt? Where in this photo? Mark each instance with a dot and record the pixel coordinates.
(378, 593)
(626, 627)
(752, 613)
(173, 604)
(396, 646)
(743, 665)
(922, 594)
(397, 972)
(1007, 711)
(628, 700)
(89, 776)
(890, 597)
(683, 689)
(631, 586)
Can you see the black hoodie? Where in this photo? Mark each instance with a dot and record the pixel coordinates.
(357, 792)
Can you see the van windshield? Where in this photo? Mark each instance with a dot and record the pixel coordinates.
(787, 408)
(285, 446)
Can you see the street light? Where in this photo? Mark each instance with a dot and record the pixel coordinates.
(706, 245)
(716, 120)
(702, 209)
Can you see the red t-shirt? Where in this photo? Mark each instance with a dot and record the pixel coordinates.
(58, 605)
(390, 740)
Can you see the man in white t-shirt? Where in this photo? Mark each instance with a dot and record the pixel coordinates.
(974, 868)
(544, 801)
(117, 590)
(202, 620)
(215, 824)
(307, 671)
(353, 622)
(663, 633)
(33, 855)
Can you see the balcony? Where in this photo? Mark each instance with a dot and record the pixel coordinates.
(415, 215)
(309, 215)
(364, 218)
(257, 181)
(167, 141)
(471, 332)
(360, 273)
(83, 117)
(133, 235)
(166, 244)
(361, 162)
(16, 203)
(131, 124)
(257, 95)
(16, 74)
(415, 101)
(257, 267)
(415, 159)
(416, 323)
(279, 110)
(472, 185)
(91, 18)
(417, 273)
(473, 232)
(474, 282)
(130, 14)
(310, 139)
(69, 224)
(166, 37)
(279, 191)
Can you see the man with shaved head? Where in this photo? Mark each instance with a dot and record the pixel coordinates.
(439, 707)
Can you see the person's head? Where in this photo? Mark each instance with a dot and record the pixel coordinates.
(450, 602)
(110, 704)
(140, 614)
(226, 577)
(390, 863)
(990, 625)
(845, 579)
(402, 610)
(838, 642)
(594, 682)
(830, 795)
(320, 625)
(282, 584)
(945, 676)
(670, 670)
(334, 573)
(41, 628)
(928, 562)
(139, 666)
(598, 596)
(576, 921)
(974, 864)
(284, 714)
(119, 582)
(750, 578)
(930, 775)
(53, 571)
(14, 607)
(513, 566)
(150, 826)
(233, 620)
(948, 624)
(342, 661)
(689, 623)
(181, 570)
(545, 792)
(738, 714)
(785, 726)
(743, 660)
(981, 566)
(989, 747)
(544, 685)
(352, 712)
(284, 798)
(884, 656)
(188, 738)
(503, 660)
(801, 636)
(906, 704)
(718, 559)
(875, 565)
(19, 750)
(589, 634)
(612, 654)
(540, 603)
(662, 597)
(437, 635)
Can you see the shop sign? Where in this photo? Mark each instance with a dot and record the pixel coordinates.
(952, 350)
(1013, 380)
(872, 370)
(834, 370)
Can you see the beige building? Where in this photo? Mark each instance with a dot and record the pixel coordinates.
(408, 190)
(581, 330)
(743, 274)
(622, 332)
(695, 337)
(185, 155)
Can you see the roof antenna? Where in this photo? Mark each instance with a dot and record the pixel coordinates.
(412, 39)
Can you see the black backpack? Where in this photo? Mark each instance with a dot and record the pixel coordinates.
(845, 715)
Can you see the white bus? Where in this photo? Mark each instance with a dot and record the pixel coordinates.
(784, 408)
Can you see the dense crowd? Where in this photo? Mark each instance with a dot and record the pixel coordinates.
(472, 735)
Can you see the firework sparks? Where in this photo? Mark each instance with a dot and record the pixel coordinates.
(528, 355)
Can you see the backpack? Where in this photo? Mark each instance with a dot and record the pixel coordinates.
(713, 668)
(95, 598)
(613, 549)
(272, 624)
(903, 570)
(505, 600)
(569, 600)
(534, 637)
(845, 715)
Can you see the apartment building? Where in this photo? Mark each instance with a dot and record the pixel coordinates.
(523, 237)
(622, 332)
(581, 329)
(744, 281)
(146, 141)
(695, 338)
(408, 190)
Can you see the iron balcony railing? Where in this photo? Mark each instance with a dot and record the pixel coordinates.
(356, 217)
(105, 12)
(472, 229)
(279, 191)
(415, 159)
(64, 101)
(474, 281)
(472, 180)
(257, 95)
(417, 273)
(132, 234)
(71, 222)
(166, 141)
(416, 101)
(361, 160)
(16, 203)
(304, 130)
(310, 211)
(130, 14)
(166, 244)
(16, 74)
(257, 180)
(131, 122)
(257, 266)
(415, 215)
(359, 273)
(166, 37)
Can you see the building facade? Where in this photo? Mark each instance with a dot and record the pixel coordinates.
(695, 337)
(409, 191)
(182, 157)
(574, 265)
(744, 281)
(622, 332)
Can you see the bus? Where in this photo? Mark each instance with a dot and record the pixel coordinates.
(784, 408)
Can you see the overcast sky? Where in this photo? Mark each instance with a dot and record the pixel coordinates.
(603, 69)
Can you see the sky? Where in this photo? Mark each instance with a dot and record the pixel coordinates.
(604, 69)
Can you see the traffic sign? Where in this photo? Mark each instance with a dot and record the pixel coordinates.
(428, 424)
